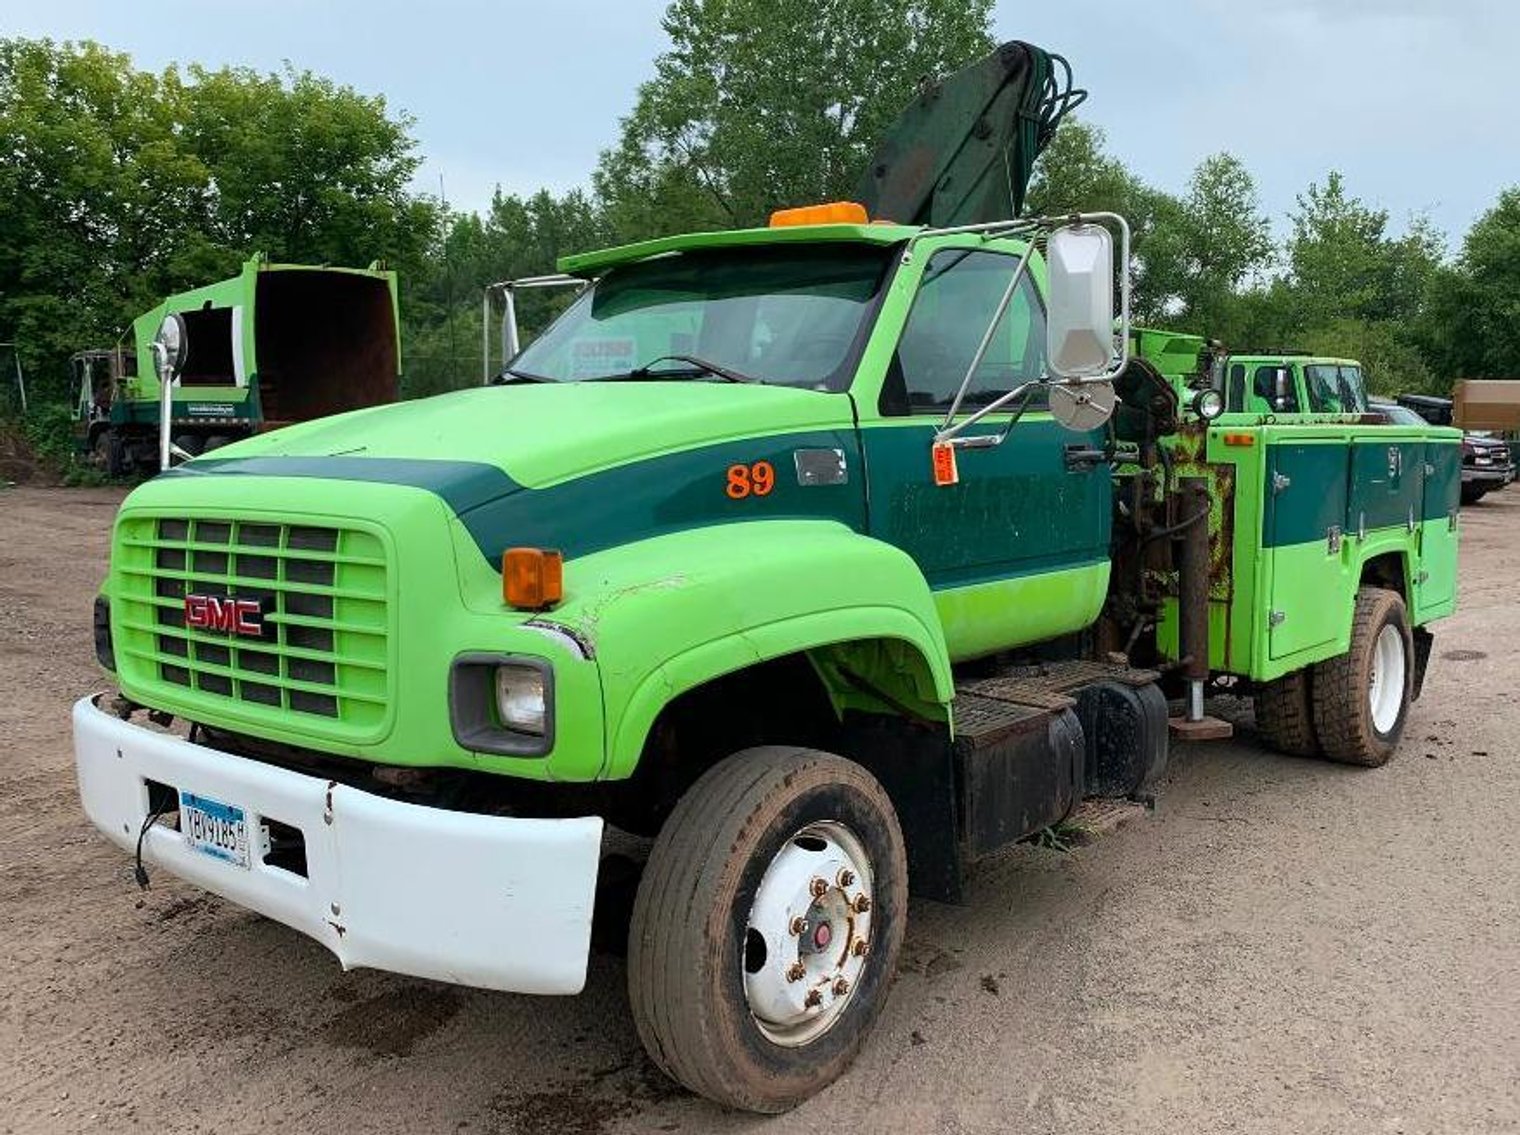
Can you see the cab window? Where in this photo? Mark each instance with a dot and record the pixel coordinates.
(955, 303)
(1334, 389)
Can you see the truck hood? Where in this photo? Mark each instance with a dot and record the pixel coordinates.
(543, 434)
(575, 467)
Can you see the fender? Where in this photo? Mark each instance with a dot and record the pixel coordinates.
(667, 614)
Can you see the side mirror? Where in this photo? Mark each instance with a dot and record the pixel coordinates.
(1080, 324)
(170, 346)
(1280, 389)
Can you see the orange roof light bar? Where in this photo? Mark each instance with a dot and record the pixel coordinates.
(532, 578)
(832, 213)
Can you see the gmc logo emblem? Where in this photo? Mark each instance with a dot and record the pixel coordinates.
(224, 613)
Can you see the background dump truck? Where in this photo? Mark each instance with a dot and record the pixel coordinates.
(873, 550)
(275, 344)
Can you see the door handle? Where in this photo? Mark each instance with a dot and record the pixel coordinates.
(1080, 458)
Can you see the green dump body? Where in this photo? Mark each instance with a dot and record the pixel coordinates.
(273, 345)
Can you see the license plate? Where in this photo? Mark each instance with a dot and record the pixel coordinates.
(213, 828)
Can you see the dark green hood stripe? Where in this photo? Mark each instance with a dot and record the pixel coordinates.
(600, 510)
(462, 485)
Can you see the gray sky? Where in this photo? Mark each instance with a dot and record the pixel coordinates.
(1413, 100)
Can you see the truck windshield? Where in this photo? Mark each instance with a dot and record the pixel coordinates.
(1335, 389)
(789, 316)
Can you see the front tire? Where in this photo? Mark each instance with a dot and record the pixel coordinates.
(1361, 698)
(767, 927)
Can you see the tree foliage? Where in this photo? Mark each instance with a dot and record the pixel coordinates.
(119, 186)
(1471, 326)
(765, 103)
(1208, 245)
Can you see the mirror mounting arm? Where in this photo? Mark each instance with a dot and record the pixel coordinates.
(1019, 272)
(511, 337)
(951, 431)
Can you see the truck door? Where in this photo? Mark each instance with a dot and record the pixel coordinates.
(1016, 550)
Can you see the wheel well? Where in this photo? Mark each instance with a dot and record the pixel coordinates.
(1386, 571)
(831, 698)
(782, 701)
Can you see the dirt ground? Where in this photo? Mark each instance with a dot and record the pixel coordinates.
(1284, 946)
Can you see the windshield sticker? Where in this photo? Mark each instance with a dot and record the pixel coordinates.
(591, 358)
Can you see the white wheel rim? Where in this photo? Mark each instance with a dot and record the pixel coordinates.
(1385, 689)
(808, 936)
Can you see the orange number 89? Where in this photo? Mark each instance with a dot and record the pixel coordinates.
(759, 479)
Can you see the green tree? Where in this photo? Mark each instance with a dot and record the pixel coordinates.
(766, 103)
(1471, 327)
(518, 236)
(1207, 245)
(99, 200)
(303, 169)
(1076, 173)
(1344, 264)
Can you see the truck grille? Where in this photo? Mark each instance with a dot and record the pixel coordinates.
(324, 647)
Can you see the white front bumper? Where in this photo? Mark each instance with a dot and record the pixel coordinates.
(497, 902)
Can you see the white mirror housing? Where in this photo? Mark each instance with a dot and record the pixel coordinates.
(1080, 322)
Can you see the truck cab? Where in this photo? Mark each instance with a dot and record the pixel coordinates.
(1294, 384)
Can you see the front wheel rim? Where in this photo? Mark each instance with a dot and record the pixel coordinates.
(808, 935)
(1385, 688)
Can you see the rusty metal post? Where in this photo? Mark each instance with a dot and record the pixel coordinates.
(1193, 590)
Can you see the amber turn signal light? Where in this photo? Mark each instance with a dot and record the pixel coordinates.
(532, 578)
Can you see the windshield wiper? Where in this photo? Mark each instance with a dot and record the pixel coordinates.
(703, 366)
(519, 376)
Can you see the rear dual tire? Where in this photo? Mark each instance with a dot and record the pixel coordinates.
(1350, 708)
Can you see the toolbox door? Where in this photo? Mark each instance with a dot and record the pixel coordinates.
(1303, 541)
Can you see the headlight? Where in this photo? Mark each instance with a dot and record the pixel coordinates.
(1208, 404)
(502, 703)
(521, 699)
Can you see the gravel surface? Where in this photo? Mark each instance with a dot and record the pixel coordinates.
(1284, 946)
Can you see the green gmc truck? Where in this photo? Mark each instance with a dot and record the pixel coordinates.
(826, 558)
(272, 345)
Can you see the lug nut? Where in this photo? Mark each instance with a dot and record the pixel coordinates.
(841, 987)
(812, 1000)
(797, 972)
(819, 887)
(799, 924)
(846, 877)
(861, 948)
(862, 903)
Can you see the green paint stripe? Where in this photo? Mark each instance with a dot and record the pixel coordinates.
(462, 485)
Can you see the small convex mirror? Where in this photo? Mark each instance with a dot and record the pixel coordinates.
(173, 343)
(1080, 325)
(1084, 406)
